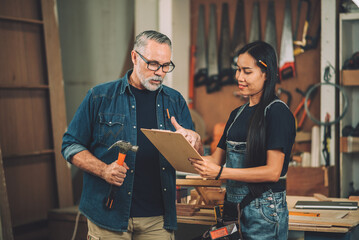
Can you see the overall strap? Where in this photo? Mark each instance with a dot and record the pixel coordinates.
(240, 110)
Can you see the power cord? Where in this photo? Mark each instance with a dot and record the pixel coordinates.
(327, 76)
(76, 225)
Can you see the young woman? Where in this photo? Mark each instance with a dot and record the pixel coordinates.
(255, 146)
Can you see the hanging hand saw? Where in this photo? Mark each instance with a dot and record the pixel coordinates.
(213, 82)
(225, 70)
(307, 42)
(239, 35)
(271, 33)
(201, 71)
(255, 33)
(286, 59)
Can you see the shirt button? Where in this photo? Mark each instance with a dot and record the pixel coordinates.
(158, 105)
(131, 170)
(133, 106)
(163, 168)
(110, 122)
(271, 206)
(165, 189)
(274, 214)
(134, 126)
(129, 193)
(160, 125)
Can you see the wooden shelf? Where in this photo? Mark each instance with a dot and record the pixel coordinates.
(349, 77)
(349, 144)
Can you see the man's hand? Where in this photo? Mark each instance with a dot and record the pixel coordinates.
(191, 136)
(115, 174)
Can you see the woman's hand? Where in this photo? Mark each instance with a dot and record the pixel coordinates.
(205, 167)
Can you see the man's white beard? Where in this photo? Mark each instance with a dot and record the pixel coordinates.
(146, 81)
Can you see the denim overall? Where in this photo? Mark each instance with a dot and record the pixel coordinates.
(265, 217)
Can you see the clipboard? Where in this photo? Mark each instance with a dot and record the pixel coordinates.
(174, 147)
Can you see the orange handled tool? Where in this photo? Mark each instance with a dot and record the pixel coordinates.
(124, 148)
(121, 158)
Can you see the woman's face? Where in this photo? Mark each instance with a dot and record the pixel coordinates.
(250, 78)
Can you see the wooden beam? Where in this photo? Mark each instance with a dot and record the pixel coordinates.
(57, 100)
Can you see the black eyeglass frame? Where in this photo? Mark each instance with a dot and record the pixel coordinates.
(159, 65)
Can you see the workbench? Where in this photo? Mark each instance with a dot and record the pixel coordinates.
(331, 224)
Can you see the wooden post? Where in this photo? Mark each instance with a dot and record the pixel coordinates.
(57, 100)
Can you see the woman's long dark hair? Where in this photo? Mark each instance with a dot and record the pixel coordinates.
(266, 59)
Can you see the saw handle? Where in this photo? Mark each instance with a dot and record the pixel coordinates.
(287, 71)
(121, 158)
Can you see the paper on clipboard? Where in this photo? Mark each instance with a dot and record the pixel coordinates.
(174, 147)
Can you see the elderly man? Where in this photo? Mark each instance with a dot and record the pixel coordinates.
(145, 186)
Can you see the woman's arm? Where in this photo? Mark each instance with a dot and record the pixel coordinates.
(208, 168)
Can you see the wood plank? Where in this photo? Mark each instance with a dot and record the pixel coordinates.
(25, 20)
(305, 181)
(30, 154)
(5, 217)
(311, 228)
(199, 183)
(31, 189)
(27, 87)
(321, 197)
(57, 100)
(349, 144)
(323, 221)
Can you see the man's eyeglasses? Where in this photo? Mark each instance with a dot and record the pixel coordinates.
(154, 66)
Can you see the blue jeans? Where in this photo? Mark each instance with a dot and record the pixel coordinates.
(266, 217)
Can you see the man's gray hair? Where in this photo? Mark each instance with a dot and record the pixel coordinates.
(142, 39)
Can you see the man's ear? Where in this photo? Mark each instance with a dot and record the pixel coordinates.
(133, 57)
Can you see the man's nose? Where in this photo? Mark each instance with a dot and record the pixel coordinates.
(160, 72)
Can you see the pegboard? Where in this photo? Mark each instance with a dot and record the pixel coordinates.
(216, 107)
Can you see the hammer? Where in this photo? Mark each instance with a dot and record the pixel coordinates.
(124, 148)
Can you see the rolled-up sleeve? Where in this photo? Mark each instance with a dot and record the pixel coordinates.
(79, 133)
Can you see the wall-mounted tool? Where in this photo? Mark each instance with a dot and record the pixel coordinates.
(239, 34)
(124, 148)
(226, 72)
(286, 58)
(326, 141)
(255, 33)
(271, 33)
(213, 81)
(301, 106)
(281, 91)
(307, 42)
(201, 70)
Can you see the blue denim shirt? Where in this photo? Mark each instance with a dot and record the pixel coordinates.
(106, 115)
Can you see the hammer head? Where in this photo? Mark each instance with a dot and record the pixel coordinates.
(124, 146)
